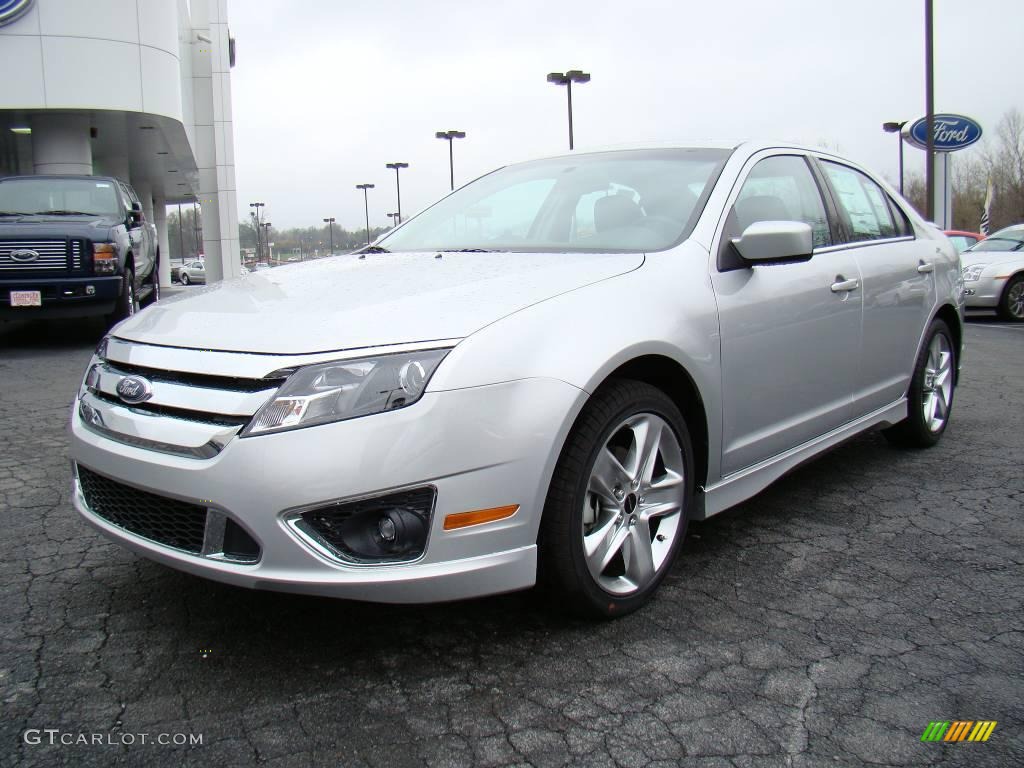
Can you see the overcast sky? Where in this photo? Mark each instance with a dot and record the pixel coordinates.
(327, 92)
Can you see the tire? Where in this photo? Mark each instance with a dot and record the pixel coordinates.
(184, 278)
(930, 397)
(621, 528)
(1011, 303)
(127, 303)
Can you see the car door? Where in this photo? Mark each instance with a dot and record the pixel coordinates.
(897, 281)
(791, 332)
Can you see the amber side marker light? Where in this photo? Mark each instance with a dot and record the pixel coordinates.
(478, 517)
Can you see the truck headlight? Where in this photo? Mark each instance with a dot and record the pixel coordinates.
(973, 272)
(345, 389)
(104, 258)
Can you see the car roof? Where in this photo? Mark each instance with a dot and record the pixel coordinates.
(78, 176)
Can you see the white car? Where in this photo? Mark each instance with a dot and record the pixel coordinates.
(993, 272)
(192, 272)
(542, 377)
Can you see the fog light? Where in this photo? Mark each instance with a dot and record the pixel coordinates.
(90, 290)
(385, 529)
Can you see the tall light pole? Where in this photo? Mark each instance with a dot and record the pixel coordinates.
(366, 205)
(266, 237)
(330, 223)
(398, 187)
(567, 79)
(929, 100)
(257, 206)
(897, 127)
(449, 136)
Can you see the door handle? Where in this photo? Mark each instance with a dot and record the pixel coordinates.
(924, 267)
(845, 286)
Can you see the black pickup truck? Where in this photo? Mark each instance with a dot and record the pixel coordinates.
(74, 246)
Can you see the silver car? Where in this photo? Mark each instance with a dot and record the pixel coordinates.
(192, 272)
(993, 272)
(541, 378)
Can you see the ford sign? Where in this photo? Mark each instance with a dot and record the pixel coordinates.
(13, 9)
(134, 389)
(952, 132)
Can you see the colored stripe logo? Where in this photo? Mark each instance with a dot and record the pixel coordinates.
(959, 730)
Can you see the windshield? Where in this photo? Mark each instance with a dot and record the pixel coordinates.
(92, 197)
(625, 201)
(1006, 240)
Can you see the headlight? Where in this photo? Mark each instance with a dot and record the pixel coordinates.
(346, 389)
(104, 258)
(92, 373)
(973, 272)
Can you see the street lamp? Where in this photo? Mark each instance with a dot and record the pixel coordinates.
(396, 218)
(366, 205)
(398, 187)
(897, 127)
(449, 136)
(266, 237)
(330, 223)
(567, 79)
(257, 206)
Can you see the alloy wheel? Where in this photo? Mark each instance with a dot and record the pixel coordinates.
(937, 391)
(1015, 300)
(633, 504)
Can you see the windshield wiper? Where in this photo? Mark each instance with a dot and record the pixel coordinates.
(67, 213)
(14, 213)
(373, 249)
(472, 250)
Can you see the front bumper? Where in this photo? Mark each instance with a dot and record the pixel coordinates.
(984, 293)
(480, 447)
(62, 296)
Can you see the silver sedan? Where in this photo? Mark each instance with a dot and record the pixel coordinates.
(192, 272)
(540, 379)
(993, 272)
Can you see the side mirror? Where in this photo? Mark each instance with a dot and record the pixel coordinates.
(136, 216)
(775, 242)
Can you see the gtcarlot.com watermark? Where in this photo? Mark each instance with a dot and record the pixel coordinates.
(57, 737)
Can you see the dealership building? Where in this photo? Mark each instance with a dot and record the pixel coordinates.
(137, 89)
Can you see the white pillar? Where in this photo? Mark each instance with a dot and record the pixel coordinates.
(61, 144)
(160, 219)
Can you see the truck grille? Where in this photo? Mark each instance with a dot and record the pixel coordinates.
(170, 522)
(51, 255)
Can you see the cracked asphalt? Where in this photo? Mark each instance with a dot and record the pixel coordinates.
(824, 622)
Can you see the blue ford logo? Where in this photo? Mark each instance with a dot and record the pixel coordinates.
(134, 389)
(952, 132)
(12, 9)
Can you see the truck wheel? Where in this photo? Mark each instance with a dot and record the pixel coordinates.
(127, 303)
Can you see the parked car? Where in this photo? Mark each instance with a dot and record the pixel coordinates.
(622, 342)
(963, 240)
(74, 246)
(192, 272)
(993, 272)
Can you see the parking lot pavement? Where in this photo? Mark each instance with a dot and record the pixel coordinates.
(825, 622)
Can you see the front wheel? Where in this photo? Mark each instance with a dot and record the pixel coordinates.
(127, 303)
(184, 278)
(615, 513)
(930, 398)
(1011, 305)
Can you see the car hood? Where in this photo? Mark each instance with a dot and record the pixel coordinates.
(970, 258)
(348, 302)
(33, 227)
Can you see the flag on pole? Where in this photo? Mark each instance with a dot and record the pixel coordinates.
(987, 212)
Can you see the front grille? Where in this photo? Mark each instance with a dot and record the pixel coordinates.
(170, 522)
(52, 255)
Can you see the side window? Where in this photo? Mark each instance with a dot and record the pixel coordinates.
(780, 189)
(863, 203)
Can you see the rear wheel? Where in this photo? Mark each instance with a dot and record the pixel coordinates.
(1011, 305)
(615, 513)
(930, 399)
(154, 294)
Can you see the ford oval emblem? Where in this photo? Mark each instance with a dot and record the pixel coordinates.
(952, 132)
(134, 389)
(13, 9)
(24, 255)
